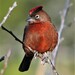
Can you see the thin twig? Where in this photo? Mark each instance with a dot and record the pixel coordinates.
(53, 68)
(6, 57)
(63, 16)
(4, 20)
(10, 32)
(8, 14)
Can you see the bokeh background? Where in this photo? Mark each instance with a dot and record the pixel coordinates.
(16, 23)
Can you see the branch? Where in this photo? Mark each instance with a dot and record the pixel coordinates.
(6, 57)
(4, 20)
(8, 14)
(63, 15)
(10, 32)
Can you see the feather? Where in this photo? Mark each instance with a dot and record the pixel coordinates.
(36, 9)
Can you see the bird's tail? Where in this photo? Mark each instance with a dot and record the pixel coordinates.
(25, 64)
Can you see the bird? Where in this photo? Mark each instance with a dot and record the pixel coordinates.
(40, 35)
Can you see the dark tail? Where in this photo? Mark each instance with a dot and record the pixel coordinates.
(24, 66)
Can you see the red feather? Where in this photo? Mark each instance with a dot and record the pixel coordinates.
(34, 9)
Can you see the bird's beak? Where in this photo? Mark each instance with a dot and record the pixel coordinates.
(31, 20)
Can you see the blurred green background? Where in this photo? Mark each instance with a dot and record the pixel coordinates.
(16, 23)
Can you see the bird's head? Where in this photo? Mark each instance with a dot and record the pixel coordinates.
(37, 15)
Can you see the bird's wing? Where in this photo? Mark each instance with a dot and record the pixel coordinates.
(25, 29)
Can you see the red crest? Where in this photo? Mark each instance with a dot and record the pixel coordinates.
(34, 9)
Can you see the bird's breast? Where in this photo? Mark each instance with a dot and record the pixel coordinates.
(39, 37)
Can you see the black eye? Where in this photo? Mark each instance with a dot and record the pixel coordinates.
(36, 16)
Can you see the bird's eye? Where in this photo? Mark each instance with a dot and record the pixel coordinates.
(36, 16)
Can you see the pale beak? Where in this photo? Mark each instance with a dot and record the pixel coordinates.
(30, 19)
